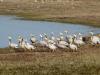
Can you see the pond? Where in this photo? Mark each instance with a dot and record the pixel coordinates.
(10, 26)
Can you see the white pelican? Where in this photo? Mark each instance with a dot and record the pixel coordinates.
(94, 39)
(23, 44)
(32, 39)
(62, 44)
(80, 36)
(61, 36)
(72, 46)
(66, 35)
(52, 36)
(52, 46)
(12, 45)
(78, 41)
(20, 40)
(70, 39)
(66, 32)
(29, 46)
(42, 41)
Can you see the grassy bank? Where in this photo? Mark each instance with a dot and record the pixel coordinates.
(45, 63)
(81, 12)
(62, 62)
(89, 21)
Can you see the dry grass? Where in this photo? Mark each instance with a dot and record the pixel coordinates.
(61, 62)
(82, 11)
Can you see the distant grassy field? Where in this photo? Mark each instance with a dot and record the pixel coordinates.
(82, 11)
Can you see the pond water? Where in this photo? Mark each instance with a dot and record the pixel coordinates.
(10, 26)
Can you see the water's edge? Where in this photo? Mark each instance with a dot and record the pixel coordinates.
(14, 27)
(71, 20)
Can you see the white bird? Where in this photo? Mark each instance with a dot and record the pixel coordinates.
(78, 41)
(29, 46)
(94, 39)
(73, 46)
(70, 39)
(21, 42)
(32, 39)
(12, 45)
(57, 39)
(62, 44)
(45, 35)
(80, 36)
(66, 32)
(48, 42)
(52, 36)
(61, 36)
(20, 39)
(51, 41)
(52, 46)
(66, 35)
(42, 41)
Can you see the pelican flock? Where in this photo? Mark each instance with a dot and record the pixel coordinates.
(52, 42)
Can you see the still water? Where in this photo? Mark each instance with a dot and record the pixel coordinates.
(10, 26)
